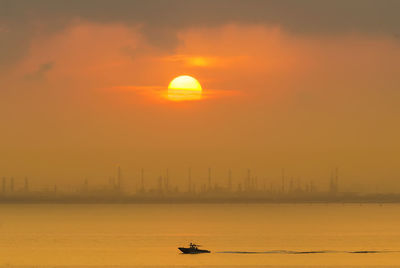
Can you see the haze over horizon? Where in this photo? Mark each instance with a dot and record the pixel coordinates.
(302, 85)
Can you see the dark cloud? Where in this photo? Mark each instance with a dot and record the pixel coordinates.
(40, 72)
(161, 19)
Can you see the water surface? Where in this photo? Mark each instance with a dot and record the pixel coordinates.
(255, 235)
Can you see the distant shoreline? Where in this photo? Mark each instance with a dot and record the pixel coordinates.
(216, 202)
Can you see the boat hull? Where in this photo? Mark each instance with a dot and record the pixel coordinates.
(193, 251)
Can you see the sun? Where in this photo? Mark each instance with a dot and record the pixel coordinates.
(183, 88)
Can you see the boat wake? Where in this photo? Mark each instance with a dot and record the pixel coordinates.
(307, 252)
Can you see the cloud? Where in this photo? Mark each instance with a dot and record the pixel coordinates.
(161, 20)
(194, 60)
(40, 72)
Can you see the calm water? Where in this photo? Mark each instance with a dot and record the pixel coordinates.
(237, 235)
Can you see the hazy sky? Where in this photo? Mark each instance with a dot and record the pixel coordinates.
(305, 85)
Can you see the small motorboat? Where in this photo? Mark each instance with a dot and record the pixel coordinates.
(193, 249)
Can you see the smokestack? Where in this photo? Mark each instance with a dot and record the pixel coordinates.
(190, 180)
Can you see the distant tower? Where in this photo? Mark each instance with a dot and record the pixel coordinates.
(193, 187)
(190, 180)
(312, 186)
(113, 183)
(26, 188)
(160, 184)
(203, 188)
(333, 186)
(119, 178)
(4, 185)
(248, 179)
(110, 182)
(166, 181)
(86, 185)
(265, 184)
(336, 180)
(230, 180)
(12, 184)
(291, 185)
(209, 179)
(142, 179)
(299, 186)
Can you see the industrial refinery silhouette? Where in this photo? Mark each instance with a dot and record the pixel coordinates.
(249, 189)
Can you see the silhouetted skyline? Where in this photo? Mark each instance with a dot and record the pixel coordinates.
(251, 188)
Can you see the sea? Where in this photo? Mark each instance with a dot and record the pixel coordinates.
(238, 235)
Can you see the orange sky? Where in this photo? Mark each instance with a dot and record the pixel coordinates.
(89, 96)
